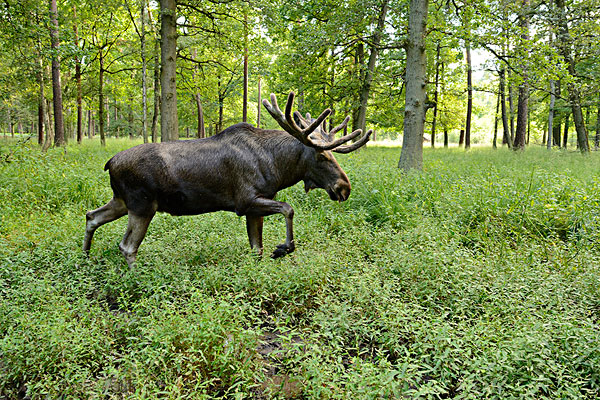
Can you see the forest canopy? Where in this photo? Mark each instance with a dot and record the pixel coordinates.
(530, 59)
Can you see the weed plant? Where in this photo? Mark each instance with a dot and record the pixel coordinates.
(478, 278)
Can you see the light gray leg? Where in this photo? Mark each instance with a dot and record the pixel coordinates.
(111, 211)
(136, 231)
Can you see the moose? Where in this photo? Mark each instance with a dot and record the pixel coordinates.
(241, 169)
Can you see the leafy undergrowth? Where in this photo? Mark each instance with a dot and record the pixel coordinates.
(478, 278)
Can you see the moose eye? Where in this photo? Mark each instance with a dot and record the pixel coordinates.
(321, 157)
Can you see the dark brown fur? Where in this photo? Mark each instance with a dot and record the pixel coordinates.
(240, 170)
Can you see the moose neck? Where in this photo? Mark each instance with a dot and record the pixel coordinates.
(291, 160)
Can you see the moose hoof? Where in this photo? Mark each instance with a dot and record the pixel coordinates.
(281, 250)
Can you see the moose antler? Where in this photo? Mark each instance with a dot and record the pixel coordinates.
(308, 127)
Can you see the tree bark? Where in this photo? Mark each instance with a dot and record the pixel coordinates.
(566, 131)
(469, 97)
(565, 41)
(245, 94)
(597, 139)
(551, 116)
(144, 72)
(48, 125)
(59, 128)
(366, 87)
(89, 128)
(511, 109)
(506, 137)
(156, 112)
(169, 124)
(411, 156)
(495, 139)
(523, 101)
(200, 132)
(259, 104)
(130, 117)
(435, 94)
(41, 103)
(220, 100)
(101, 99)
(78, 80)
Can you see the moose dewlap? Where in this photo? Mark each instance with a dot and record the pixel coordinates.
(240, 169)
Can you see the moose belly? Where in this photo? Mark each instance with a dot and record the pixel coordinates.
(191, 203)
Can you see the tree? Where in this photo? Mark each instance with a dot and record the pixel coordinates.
(361, 119)
(59, 127)
(565, 42)
(411, 156)
(169, 124)
(523, 101)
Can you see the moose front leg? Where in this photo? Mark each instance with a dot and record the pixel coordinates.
(263, 207)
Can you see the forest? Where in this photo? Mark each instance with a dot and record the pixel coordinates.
(465, 264)
(92, 69)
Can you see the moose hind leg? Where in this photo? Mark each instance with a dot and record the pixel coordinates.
(254, 227)
(111, 211)
(137, 226)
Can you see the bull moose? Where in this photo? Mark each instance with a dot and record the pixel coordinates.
(241, 169)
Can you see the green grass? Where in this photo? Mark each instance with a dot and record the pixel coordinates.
(479, 278)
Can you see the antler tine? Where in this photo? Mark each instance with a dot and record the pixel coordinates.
(287, 122)
(338, 128)
(302, 120)
(275, 111)
(333, 144)
(315, 124)
(288, 114)
(356, 145)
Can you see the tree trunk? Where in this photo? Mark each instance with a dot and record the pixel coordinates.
(41, 103)
(445, 138)
(245, 94)
(48, 125)
(511, 109)
(169, 124)
(59, 128)
(200, 133)
(506, 137)
(156, 112)
(597, 139)
(435, 94)
(101, 98)
(565, 41)
(551, 116)
(144, 72)
(79, 128)
(411, 156)
(220, 101)
(461, 138)
(366, 87)
(469, 97)
(259, 108)
(359, 60)
(89, 128)
(130, 117)
(523, 101)
(495, 139)
(566, 131)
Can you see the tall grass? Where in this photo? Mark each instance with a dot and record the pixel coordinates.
(478, 278)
